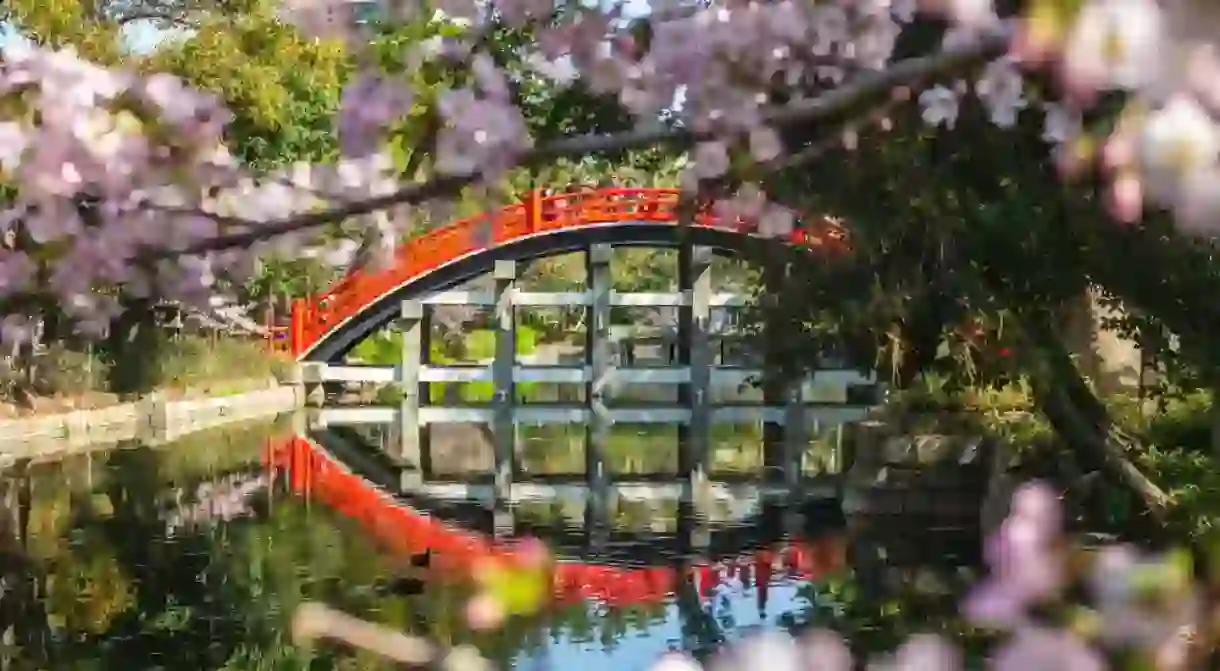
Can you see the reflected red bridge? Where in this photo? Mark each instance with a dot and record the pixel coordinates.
(403, 530)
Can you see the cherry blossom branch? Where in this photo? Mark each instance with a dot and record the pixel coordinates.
(839, 101)
(313, 620)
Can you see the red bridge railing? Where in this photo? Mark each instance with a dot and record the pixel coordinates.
(313, 317)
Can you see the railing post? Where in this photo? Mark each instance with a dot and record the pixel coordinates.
(796, 434)
(424, 390)
(774, 391)
(406, 450)
(597, 358)
(504, 391)
(296, 335)
(533, 209)
(694, 352)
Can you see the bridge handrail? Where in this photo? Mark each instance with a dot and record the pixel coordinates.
(312, 317)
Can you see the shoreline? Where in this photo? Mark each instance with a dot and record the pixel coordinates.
(156, 418)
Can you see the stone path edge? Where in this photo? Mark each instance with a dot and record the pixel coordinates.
(153, 419)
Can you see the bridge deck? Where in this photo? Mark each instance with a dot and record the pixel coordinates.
(539, 299)
(831, 414)
(721, 376)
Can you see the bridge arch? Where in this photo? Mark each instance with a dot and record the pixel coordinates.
(327, 326)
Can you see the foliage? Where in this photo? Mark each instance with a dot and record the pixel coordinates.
(200, 364)
(58, 371)
(193, 361)
(120, 190)
(282, 88)
(385, 348)
(127, 591)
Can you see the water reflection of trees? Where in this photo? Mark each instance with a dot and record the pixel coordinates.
(94, 579)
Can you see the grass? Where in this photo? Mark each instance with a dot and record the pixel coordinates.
(219, 364)
(1178, 456)
(385, 348)
(66, 379)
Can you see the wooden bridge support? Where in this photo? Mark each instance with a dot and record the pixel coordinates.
(411, 448)
(598, 353)
(424, 393)
(504, 394)
(597, 518)
(694, 534)
(695, 351)
(784, 444)
(504, 391)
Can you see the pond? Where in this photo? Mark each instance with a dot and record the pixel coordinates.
(195, 555)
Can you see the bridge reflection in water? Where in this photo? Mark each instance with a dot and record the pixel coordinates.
(751, 539)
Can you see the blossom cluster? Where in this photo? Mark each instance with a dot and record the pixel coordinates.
(1144, 609)
(122, 180)
(222, 500)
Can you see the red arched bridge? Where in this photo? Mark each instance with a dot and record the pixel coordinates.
(326, 326)
(456, 551)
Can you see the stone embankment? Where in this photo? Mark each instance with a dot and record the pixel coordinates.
(894, 471)
(153, 419)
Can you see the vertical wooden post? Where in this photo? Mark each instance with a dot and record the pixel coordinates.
(694, 536)
(597, 358)
(406, 450)
(311, 374)
(796, 436)
(774, 391)
(533, 209)
(504, 392)
(694, 352)
(296, 334)
(424, 392)
(153, 411)
(597, 517)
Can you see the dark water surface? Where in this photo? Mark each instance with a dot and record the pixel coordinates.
(194, 556)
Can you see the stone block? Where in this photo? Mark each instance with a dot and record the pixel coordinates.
(310, 372)
(505, 270)
(929, 449)
(600, 253)
(413, 310)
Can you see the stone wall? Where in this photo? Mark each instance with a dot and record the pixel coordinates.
(892, 472)
(151, 419)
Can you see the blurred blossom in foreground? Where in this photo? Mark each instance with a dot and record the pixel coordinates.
(1143, 609)
(505, 588)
